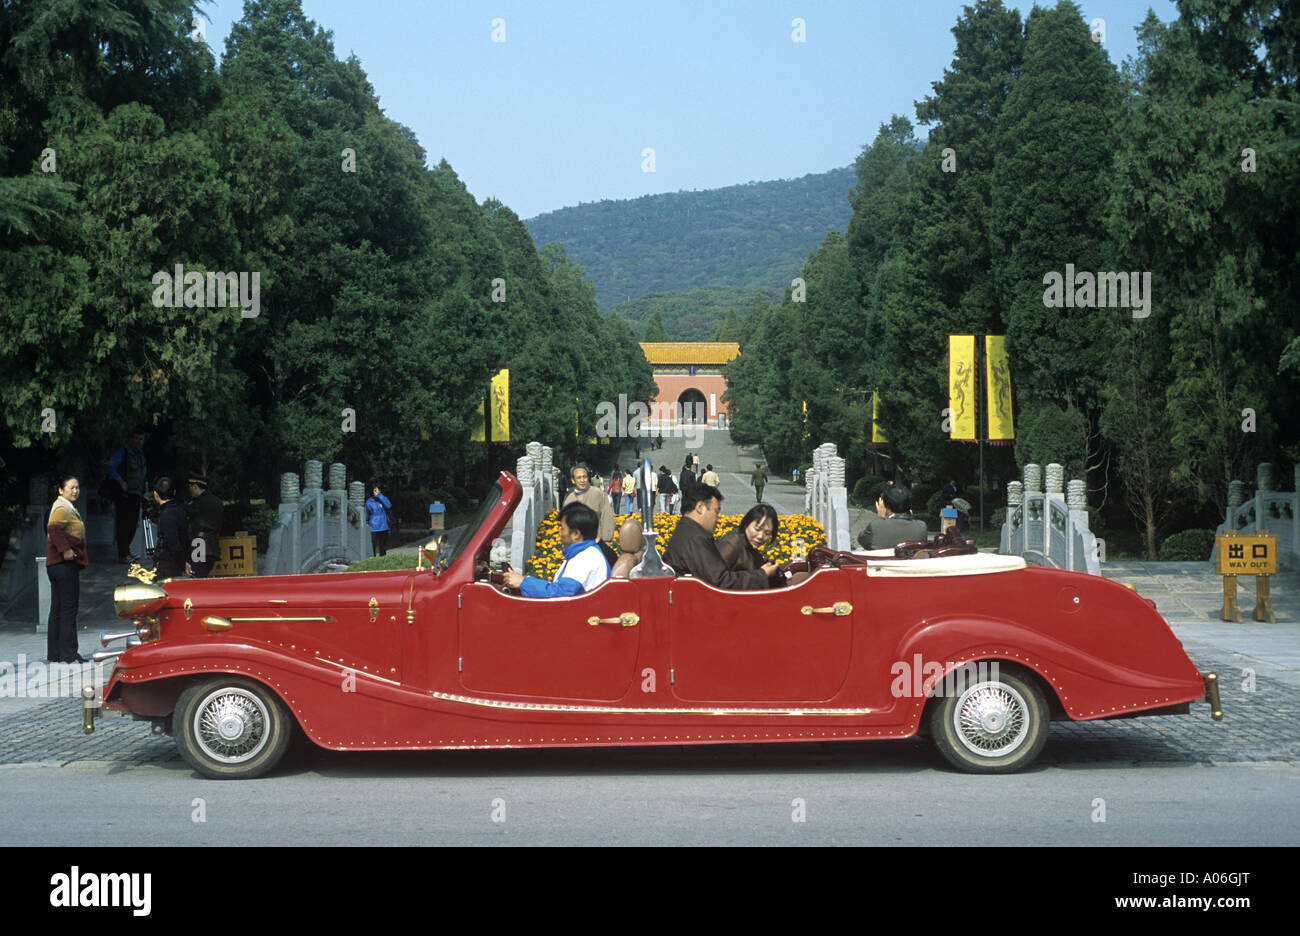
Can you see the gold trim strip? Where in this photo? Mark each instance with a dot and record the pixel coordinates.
(320, 619)
(623, 710)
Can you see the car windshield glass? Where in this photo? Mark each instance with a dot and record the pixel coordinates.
(460, 539)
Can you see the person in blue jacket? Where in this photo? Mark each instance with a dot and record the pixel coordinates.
(377, 507)
(585, 565)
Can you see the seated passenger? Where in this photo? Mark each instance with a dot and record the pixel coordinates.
(740, 549)
(691, 550)
(585, 565)
(893, 523)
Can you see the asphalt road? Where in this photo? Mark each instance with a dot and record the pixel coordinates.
(858, 794)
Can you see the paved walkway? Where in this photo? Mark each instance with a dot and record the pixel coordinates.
(734, 465)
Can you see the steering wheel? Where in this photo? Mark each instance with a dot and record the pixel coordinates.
(498, 581)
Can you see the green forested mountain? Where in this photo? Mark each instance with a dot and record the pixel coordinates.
(755, 235)
(697, 315)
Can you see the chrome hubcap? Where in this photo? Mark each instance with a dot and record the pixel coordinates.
(991, 719)
(231, 725)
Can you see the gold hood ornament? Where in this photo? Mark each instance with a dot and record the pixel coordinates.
(139, 572)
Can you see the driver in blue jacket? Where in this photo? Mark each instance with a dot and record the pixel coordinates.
(585, 565)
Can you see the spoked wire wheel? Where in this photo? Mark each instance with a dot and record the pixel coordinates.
(991, 726)
(231, 727)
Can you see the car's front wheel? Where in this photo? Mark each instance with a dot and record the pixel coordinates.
(231, 728)
(993, 724)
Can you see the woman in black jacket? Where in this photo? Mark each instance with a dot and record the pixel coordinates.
(740, 548)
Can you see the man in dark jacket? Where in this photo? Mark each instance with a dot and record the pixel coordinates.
(173, 530)
(691, 550)
(685, 481)
(205, 510)
(893, 523)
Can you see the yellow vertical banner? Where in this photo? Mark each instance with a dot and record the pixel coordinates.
(998, 371)
(500, 398)
(876, 435)
(961, 387)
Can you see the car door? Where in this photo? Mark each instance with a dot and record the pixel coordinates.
(580, 648)
(776, 645)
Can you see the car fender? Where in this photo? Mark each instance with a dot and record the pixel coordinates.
(1087, 684)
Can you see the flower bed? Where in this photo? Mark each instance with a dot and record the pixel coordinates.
(546, 560)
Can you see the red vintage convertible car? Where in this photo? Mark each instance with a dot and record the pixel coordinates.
(441, 658)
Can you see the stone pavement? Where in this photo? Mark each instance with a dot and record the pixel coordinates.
(734, 464)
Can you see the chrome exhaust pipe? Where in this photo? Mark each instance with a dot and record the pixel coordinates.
(106, 638)
(104, 656)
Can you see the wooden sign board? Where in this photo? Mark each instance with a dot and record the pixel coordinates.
(1254, 554)
(238, 556)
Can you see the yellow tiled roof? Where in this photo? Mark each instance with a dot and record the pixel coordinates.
(690, 352)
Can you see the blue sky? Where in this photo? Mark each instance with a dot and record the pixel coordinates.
(561, 111)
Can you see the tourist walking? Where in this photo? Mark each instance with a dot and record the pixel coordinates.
(667, 490)
(687, 481)
(629, 492)
(65, 557)
(583, 490)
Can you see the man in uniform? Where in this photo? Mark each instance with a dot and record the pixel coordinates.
(758, 479)
(205, 510)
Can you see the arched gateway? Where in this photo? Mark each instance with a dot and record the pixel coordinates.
(690, 372)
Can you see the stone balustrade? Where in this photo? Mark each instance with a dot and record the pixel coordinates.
(317, 526)
(826, 499)
(1050, 527)
(1275, 511)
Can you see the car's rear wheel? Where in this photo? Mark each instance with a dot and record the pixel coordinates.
(992, 724)
(231, 728)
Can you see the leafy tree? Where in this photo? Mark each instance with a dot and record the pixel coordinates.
(654, 328)
(729, 330)
(1055, 142)
(1219, 240)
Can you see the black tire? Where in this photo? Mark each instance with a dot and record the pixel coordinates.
(231, 728)
(995, 722)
